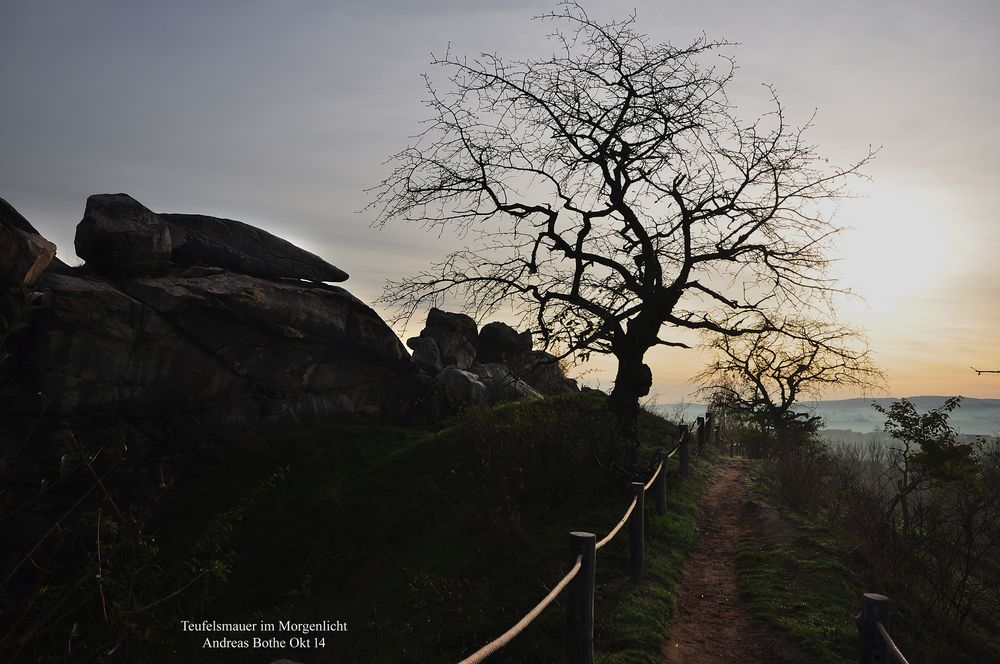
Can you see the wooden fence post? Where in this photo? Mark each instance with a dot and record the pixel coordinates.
(660, 486)
(874, 608)
(636, 526)
(701, 434)
(685, 451)
(580, 601)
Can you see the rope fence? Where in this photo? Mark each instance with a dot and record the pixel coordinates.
(876, 644)
(579, 580)
(893, 648)
(508, 636)
(614, 531)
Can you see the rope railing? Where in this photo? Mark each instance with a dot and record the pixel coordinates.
(614, 531)
(529, 617)
(652, 480)
(876, 644)
(893, 648)
(580, 628)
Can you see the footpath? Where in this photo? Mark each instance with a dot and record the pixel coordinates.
(711, 623)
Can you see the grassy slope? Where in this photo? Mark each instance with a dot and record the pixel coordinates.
(811, 588)
(426, 545)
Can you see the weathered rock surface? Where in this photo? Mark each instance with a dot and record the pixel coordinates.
(425, 354)
(202, 240)
(23, 256)
(229, 347)
(502, 384)
(498, 357)
(499, 342)
(461, 388)
(135, 335)
(455, 336)
(121, 237)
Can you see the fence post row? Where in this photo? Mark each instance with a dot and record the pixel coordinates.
(685, 461)
(874, 609)
(580, 588)
(635, 533)
(660, 486)
(580, 601)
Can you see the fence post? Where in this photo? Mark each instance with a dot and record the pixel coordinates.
(701, 434)
(580, 601)
(660, 486)
(636, 526)
(874, 608)
(685, 450)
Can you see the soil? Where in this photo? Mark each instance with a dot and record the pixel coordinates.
(712, 624)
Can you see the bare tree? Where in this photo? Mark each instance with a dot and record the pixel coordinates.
(609, 191)
(764, 375)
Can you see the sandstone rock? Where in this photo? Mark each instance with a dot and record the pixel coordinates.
(24, 253)
(425, 354)
(455, 336)
(499, 342)
(202, 240)
(461, 388)
(230, 348)
(120, 237)
(501, 384)
(23, 256)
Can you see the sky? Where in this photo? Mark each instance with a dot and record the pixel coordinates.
(282, 114)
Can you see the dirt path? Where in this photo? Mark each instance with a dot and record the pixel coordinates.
(712, 624)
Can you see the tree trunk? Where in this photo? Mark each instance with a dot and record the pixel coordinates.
(632, 382)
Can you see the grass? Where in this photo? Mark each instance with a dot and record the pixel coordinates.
(810, 588)
(426, 545)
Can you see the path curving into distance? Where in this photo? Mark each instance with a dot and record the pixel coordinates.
(712, 624)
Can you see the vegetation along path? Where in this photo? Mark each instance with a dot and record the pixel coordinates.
(712, 623)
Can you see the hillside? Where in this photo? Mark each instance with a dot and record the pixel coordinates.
(973, 417)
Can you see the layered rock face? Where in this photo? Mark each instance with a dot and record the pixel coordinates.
(205, 319)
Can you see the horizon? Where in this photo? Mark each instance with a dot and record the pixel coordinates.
(281, 116)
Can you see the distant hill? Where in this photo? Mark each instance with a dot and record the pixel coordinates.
(974, 416)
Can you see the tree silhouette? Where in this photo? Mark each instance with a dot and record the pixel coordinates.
(608, 191)
(765, 375)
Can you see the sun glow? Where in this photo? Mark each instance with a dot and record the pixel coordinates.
(902, 246)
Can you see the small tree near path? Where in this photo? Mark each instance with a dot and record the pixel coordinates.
(608, 193)
(764, 376)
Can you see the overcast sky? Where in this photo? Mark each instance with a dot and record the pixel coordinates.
(281, 113)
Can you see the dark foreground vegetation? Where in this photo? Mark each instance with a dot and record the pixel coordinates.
(916, 518)
(427, 545)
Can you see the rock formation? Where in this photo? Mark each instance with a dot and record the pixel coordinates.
(200, 323)
(24, 254)
(471, 367)
(205, 320)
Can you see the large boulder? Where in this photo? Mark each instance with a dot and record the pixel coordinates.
(501, 383)
(120, 237)
(234, 245)
(499, 342)
(455, 336)
(426, 354)
(461, 389)
(224, 346)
